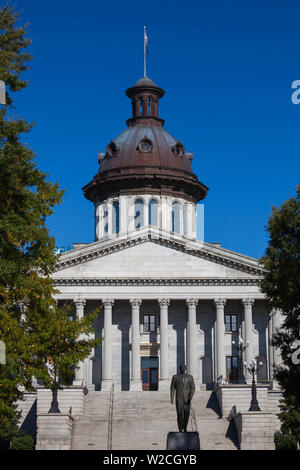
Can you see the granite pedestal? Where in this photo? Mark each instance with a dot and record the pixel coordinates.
(183, 441)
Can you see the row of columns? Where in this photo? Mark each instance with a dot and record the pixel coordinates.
(191, 341)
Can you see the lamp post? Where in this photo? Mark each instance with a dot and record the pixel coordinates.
(253, 370)
(54, 404)
(241, 349)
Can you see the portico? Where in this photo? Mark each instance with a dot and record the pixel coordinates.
(186, 329)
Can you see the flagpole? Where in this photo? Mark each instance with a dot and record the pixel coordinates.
(144, 51)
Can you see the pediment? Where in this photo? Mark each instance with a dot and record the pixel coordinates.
(155, 258)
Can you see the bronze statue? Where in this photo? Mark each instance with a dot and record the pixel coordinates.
(184, 386)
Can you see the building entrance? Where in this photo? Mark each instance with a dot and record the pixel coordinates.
(149, 373)
(232, 369)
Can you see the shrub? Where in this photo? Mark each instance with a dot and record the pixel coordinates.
(284, 441)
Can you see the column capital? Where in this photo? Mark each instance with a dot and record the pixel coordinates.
(248, 302)
(220, 302)
(108, 302)
(135, 301)
(191, 301)
(163, 302)
(79, 301)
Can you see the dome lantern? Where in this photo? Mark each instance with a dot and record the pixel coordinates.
(145, 95)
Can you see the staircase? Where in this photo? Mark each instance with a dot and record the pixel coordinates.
(90, 431)
(142, 420)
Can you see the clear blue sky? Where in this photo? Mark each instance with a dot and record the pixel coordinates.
(227, 69)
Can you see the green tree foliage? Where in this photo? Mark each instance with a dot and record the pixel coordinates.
(282, 286)
(31, 325)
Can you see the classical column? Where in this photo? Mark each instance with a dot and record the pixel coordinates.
(109, 208)
(220, 338)
(270, 348)
(276, 323)
(97, 221)
(248, 302)
(107, 366)
(192, 363)
(135, 382)
(79, 373)
(124, 216)
(164, 357)
(276, 327)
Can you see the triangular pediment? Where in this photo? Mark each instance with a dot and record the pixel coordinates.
(144, 256)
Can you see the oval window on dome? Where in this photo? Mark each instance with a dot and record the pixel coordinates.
(179, 150)
(146, 145)
(112, 149)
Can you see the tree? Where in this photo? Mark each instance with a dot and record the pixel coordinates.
(27, 250)
(282, 286)
(68, 341)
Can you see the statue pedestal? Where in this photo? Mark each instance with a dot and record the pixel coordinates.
(183, 441)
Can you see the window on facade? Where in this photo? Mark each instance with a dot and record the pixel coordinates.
(231, 322)
(115, 217)
(138, 213)
(149, 323)
(185, 219)
(176, 217)
(153, 213)
(105, 219)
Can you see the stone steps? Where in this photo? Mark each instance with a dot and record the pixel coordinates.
(90, 430)
(142, 420)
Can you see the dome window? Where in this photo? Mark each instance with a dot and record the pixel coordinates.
(146, 145)
(175, 222)
(179, 150)
(149, 105)
(112, 149)
(138, 213)
(115, 217)
(152, 213)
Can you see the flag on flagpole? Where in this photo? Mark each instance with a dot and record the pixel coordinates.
(146, 40)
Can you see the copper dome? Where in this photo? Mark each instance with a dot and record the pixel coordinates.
(145, 158)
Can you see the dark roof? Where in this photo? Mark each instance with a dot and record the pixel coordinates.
(126, 166)
(145, 81)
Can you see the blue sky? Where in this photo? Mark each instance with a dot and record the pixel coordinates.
(227, 69)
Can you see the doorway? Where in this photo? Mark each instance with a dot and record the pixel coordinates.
(232, 369)
(149, 373)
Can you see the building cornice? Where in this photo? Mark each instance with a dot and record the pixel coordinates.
(85, 282)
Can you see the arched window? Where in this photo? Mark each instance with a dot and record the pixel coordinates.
(138, 213)
(105, 219)
(141, 106)
(185, 219)
(153, 213)
(115, 217)
(175, 217)
(149, 105)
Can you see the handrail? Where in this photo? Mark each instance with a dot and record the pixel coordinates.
(110, 417)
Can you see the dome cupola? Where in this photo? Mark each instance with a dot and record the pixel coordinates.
(145, 165)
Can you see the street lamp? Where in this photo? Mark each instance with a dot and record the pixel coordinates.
(241, 348)
(252, 368)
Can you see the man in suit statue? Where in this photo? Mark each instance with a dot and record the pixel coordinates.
(184, 386)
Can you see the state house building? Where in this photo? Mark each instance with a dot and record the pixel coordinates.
(165, 297)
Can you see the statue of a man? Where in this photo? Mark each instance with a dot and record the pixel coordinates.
(183, 385)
